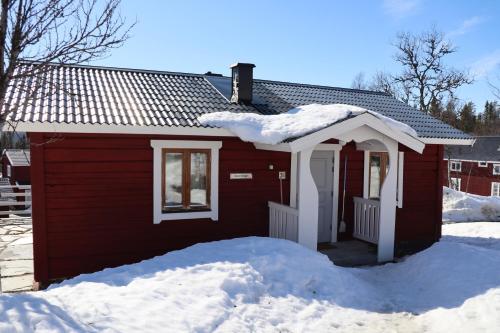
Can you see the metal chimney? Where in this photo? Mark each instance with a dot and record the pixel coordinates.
(242, 83)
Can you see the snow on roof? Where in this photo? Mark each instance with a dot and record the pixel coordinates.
(297, 122)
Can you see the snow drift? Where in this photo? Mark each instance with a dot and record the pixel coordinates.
(463, 207)
(273, 129)
(267, 285)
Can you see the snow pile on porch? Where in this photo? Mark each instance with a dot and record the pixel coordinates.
(464, 207)
(267, 285)
(273, 129)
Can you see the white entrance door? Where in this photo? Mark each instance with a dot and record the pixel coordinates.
(322, 172)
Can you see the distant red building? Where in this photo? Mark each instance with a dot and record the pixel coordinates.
(474, 169)
(16, 166)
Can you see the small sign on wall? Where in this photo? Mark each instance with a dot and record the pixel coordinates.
(240, 176)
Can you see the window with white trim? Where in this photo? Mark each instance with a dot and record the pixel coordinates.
(496, 169)
(9, 170)
(495, 189)
(455, 166)
(185, 179)
(455, 183)
(482, 164)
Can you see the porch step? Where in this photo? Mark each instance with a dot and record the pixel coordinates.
(351, 253)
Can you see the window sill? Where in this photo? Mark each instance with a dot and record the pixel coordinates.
(185, 210)
(187, 215)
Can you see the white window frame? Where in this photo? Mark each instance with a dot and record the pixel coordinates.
(452, 164)
(496, 166)
(497, 184)
(482, 164)
(9, 171)
(366, 177)
(158, 145)
(459, 180)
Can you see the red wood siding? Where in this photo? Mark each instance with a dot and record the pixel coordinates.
(93, 201)
(475, 179)
(418, 223)
(354, 185)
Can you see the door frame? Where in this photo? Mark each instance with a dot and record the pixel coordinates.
(336, 148)
(324, 159)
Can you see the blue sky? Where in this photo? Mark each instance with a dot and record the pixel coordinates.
(318, 42)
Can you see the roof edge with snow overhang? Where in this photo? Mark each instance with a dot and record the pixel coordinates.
(340, 129)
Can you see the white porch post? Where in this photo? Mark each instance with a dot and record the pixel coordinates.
(293, 180)
(307, 202)
(388, 205)
(335, 201)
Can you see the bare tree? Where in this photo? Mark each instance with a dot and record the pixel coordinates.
(385, 82)
(495, 88)
(43, 32)
(359, 81)
(424, 73)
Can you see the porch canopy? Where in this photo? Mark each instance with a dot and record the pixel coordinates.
(369, 130)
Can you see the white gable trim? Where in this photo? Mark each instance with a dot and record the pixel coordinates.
(452, 142)
(343, 128)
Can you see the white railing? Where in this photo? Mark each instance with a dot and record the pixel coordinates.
(283, 221)
(15, 199)
(366, 219)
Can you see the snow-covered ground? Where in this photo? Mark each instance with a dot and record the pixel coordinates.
(465, 207)
(266, 285)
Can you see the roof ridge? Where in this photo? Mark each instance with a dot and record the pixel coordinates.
(118, 69)
(324, 87)
(153, 71)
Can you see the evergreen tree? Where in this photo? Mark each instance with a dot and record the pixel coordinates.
(467, 121)
(449, 114)
(436, 108)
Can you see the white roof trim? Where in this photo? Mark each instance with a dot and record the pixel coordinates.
(473, 161)
(116, 129)
(278, 147)
(44, 127)
(452, 142)
(346, 126)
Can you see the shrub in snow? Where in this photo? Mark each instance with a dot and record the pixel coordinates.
(463, 207)
(299, 121)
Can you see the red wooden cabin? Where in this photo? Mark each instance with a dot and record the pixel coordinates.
(16, 166)
(125, 172)
(474, 169)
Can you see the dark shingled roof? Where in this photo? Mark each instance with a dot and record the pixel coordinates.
(486, 148)
(114, 96)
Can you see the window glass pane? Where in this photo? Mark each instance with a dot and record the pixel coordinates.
(198, 181)
(374, 176)
(173, 180)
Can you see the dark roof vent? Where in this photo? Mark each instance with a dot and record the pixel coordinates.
(209, 73)
(242, 83)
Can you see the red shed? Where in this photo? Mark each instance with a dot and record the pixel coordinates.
(126, 171)
(474, 169)
(16, 166)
